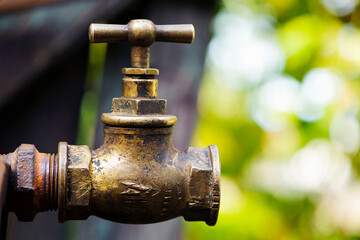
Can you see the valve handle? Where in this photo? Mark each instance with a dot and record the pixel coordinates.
(141, 33)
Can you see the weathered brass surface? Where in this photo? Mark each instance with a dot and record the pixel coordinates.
(138, 121)
(140, 71)
(137, 175)
(135, 106)
(136, 88)
(141, 33)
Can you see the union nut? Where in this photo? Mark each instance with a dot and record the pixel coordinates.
(75, 179)
(33, 179)
(204, 185)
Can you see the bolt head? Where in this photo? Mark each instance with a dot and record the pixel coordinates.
(25, 176)
(29, 188)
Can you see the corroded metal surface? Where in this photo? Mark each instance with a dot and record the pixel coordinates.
(135, 88)
(78, 183)
(140, 71)
(139, 88)
(33, 182)
(137, 175)
(133, 106)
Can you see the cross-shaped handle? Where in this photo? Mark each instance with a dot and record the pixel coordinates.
(141, 34)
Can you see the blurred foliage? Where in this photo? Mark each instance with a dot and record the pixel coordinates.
(280, 99)
(90, 102)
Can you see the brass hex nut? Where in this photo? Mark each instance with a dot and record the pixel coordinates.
(139, 106)
(199, 201)
(78, 182)
(204, 185)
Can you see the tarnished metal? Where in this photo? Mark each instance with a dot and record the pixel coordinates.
(138, 121)
(141, 33)
(33, 182)
(78, 187)
(62, 165)
(137, 175)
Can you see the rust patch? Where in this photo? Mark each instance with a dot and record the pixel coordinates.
(33, 186)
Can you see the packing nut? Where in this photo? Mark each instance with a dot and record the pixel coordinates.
(139, 106)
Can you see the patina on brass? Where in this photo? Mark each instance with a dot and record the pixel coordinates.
(141, 33)
(137, 175)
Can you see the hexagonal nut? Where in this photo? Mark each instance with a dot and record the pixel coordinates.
(139, 106)
(30, 182)
(198, 205)
(204, 185)
(25, 176)
(78, 182)
(25, 167)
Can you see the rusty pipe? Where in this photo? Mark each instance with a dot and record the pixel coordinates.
(33, 182)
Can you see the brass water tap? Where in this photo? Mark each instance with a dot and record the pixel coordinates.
(137, 175)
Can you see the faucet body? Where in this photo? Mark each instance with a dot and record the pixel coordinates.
(137, 175)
